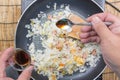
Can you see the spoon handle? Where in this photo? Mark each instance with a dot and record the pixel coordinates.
(90, 24)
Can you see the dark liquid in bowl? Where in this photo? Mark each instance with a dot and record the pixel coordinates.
(22, 58)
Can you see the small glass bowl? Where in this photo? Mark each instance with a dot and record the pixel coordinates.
(20, 59)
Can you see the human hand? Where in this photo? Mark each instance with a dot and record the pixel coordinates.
(107, 37)
(4, 62)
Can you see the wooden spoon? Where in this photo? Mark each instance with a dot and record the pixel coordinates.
(76, 29)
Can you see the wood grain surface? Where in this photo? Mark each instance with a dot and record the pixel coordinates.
(10, 12)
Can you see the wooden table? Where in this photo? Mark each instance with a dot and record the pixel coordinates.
(10, 11)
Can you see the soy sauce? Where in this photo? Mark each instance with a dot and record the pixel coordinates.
(62, 24)
(22, 58)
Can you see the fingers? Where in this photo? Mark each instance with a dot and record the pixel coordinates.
(101, 29)
(4, 61)
(104, 17)
(26, 74)
(88, 34)
(91, 39)
(116, 30)
(6, 54)
(86, 29)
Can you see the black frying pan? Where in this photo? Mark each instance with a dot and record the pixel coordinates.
(85, 8)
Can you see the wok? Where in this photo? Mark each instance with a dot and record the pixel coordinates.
(85, 8)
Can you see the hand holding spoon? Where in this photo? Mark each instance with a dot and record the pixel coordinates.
(67, 24)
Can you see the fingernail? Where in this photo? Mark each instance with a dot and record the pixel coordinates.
(30, 68)
(95, 20)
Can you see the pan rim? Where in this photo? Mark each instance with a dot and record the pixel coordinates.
(20, 20)
(31, 5)
(98, 5)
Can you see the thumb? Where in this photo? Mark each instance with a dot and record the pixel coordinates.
(101, 29)
(26, 74)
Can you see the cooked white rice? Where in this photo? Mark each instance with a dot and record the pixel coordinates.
(61, 54)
